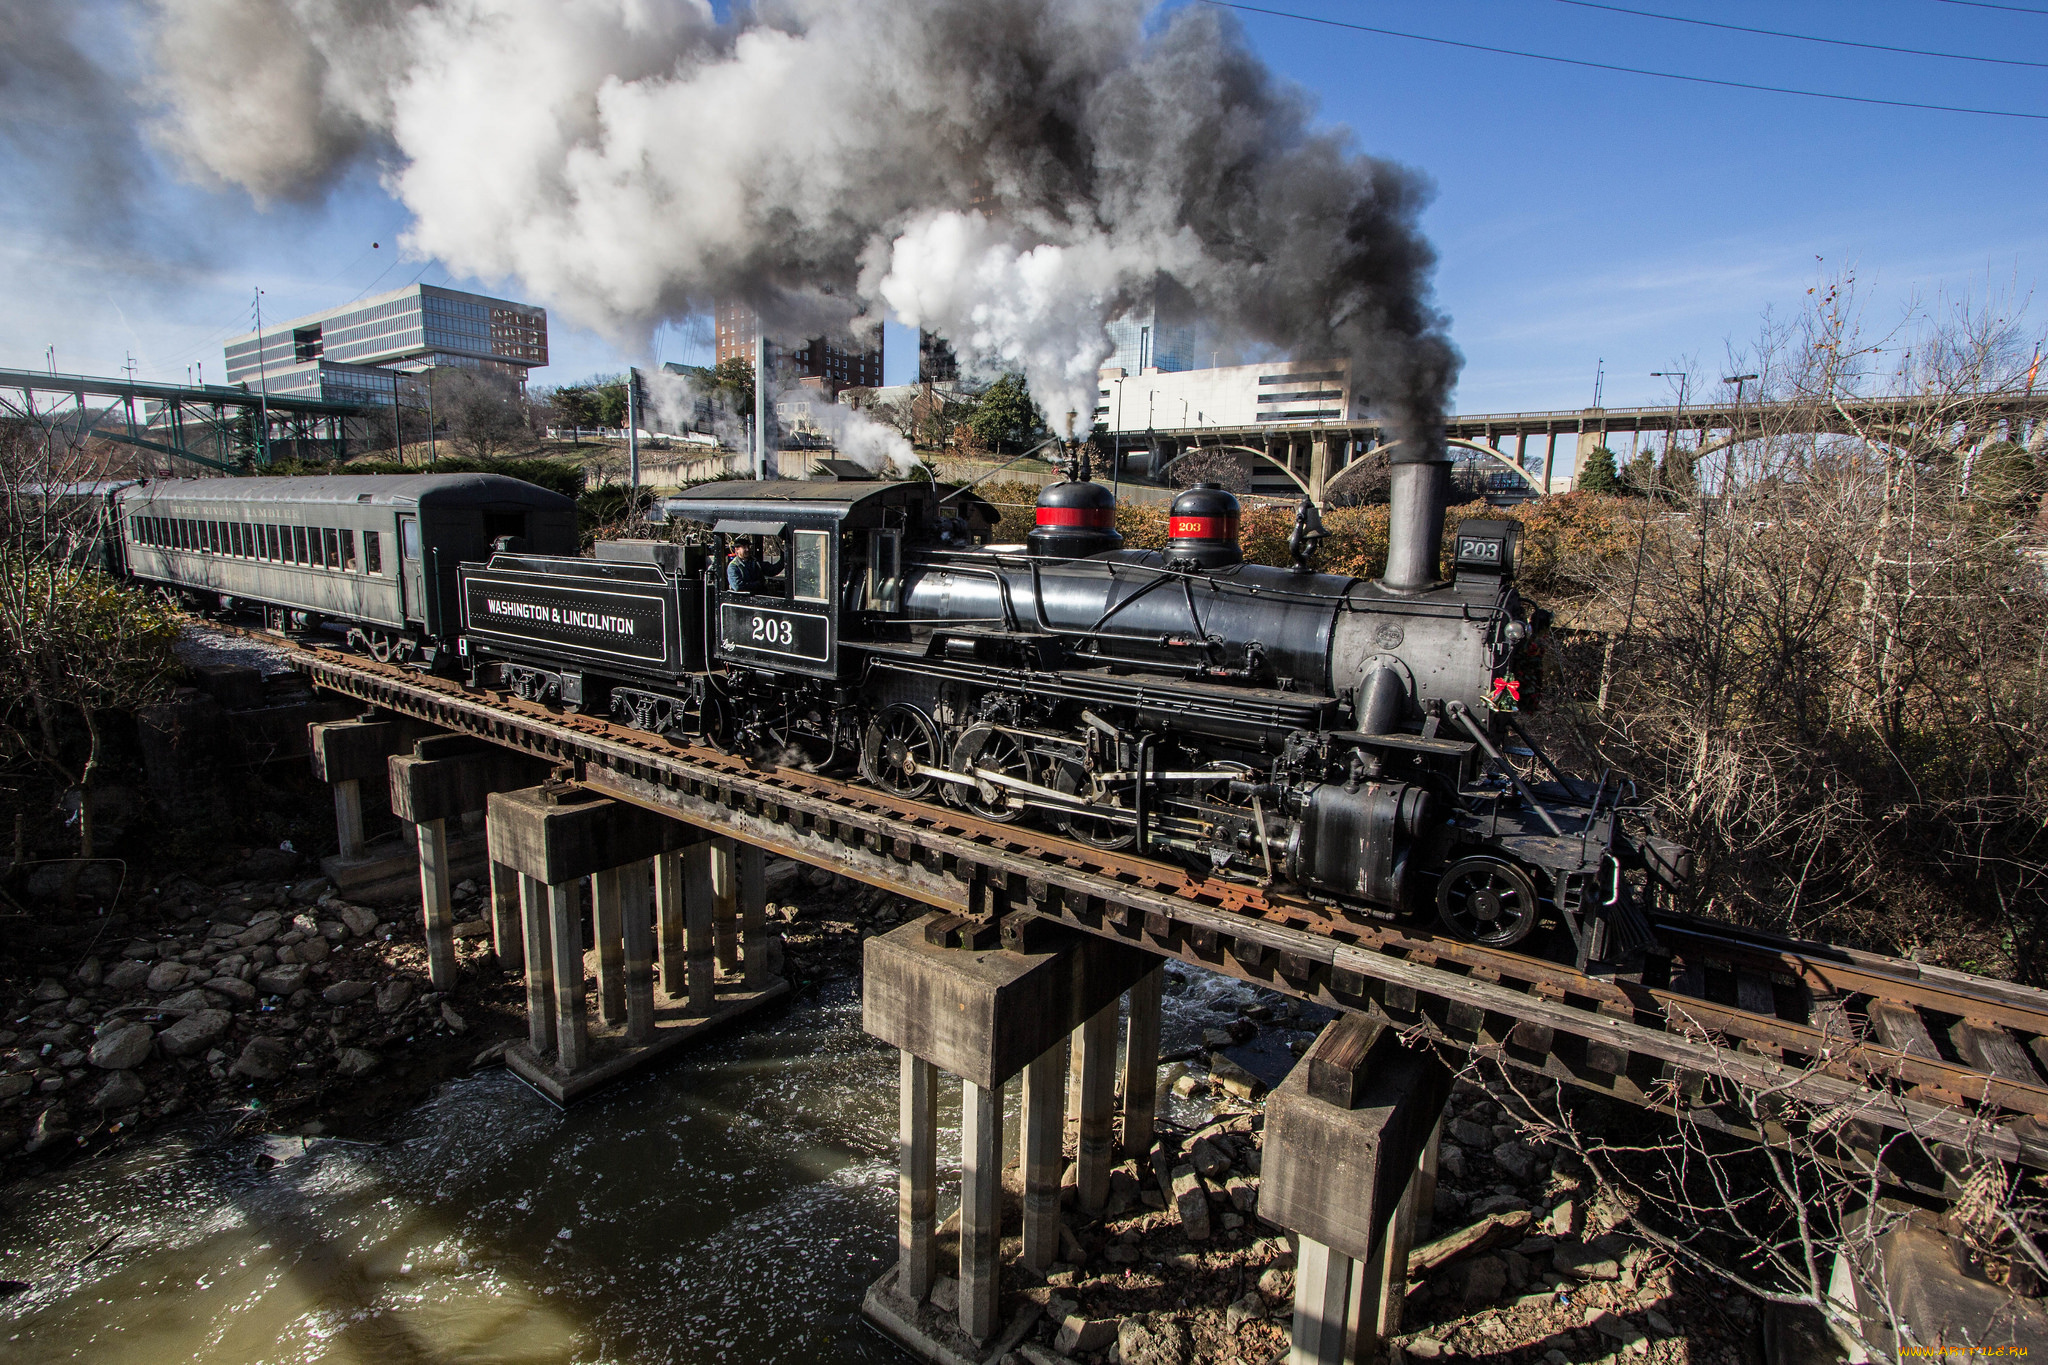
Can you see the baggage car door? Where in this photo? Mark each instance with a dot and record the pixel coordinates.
(412, 573)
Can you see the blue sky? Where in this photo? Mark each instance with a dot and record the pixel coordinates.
(1581, 215)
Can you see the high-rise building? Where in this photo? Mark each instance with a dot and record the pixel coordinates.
(818, 358)
(936, 363)
(1158, 332)
(352, 352)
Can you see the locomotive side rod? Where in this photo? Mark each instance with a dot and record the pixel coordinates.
(1273, 923)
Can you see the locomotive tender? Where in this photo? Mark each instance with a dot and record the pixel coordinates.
(1279, 725)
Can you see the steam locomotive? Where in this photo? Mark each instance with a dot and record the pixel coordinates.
(1272, 724)
(1346, 737)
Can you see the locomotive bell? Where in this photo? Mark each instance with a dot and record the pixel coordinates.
(1201, 528)
(1076, 518)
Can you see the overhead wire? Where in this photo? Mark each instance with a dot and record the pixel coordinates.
(1625, 70)
(1802, 37)
(1986, 4)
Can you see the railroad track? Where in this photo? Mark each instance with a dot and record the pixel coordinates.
(1956, 1059)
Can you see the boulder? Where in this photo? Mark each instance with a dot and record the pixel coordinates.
(89, 972)
(310, 890)
(945, 1295)
(262, 931)
(355, 1061)
(1234, 1078)
(49, 990)
(1620, 1329)
(122, 1090)
(394, 995)
(264, 1059)
(473, 928)
(1577, 1261)
(194, 1033)
(233, 987)
(1250, 1308)
(189, 1002)
(1080, 1333)
(1479, 1281)
(1209, 1159)
(127, 976)
(167, 976)
(314, 949)
(281, 980)
(1516, 1159)
(120, 1048)
(455, 1022)
(359, 920)
(1151, 1341)
(1469, 1134)
(346, 992)
(16, 1085)
(1192, 1203)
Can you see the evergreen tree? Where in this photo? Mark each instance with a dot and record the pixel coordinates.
(1006, 418)
(1598, 474)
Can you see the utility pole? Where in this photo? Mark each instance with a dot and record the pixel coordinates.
(760, 399)
(262, 388)
(397, 420)
(433, 439)
(50, 353)
(1735, 423)
(1599, 378)
(633, 428)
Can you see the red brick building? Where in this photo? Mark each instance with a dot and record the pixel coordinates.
(837, 367)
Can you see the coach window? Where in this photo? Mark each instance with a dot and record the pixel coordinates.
(241, 534)
(298, 545)
(807, 566)
(333, 538)
(373, 552)
(348, 550)
(409, 538)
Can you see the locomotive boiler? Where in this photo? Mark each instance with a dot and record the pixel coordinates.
(1348, 737)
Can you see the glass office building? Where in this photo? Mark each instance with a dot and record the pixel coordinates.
(351, 353)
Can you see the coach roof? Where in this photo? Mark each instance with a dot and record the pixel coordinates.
(405, 490)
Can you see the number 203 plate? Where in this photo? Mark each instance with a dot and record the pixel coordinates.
(765, 630)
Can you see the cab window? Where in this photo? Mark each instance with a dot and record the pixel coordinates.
(409, 538)
(807, 566)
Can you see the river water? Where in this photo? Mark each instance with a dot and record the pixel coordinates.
(732, 1206)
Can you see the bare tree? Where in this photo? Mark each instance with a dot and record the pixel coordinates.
(1827, 647)
(77, 646)
(480, 410)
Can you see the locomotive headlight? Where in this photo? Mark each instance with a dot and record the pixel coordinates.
(1516, 632)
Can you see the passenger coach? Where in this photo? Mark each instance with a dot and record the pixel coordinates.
(376, 553)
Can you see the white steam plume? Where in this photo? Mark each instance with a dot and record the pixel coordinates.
(1008, 172)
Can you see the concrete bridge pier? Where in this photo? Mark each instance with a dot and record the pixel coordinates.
(552, 838)
(1350, 1168)
(983, 1015)
(448, 777)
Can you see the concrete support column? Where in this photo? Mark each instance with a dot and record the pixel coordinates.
(1322, 1304)
(669, 909)
(1141, 1062)
(981, 1193)
(700, 896)
(917, 1176)
(753, 907)
(540, 957)
(1094, 1082)
(636, 906)
(437, 902)
(348, 816)
(608, 927)
(565, 927)
(1043, 1160)
(506, 939)
(726, 917)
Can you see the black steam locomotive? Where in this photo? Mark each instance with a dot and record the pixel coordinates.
(1279, 725)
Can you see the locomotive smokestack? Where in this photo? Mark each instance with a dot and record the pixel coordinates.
(1415, 516)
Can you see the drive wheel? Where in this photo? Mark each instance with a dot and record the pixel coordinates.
(1486, 900)
(985, 748)
(1097, 831)
(898, 743)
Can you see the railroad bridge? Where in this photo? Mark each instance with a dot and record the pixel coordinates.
(1034, 940)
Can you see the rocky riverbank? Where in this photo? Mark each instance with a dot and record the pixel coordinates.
(266, 996)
